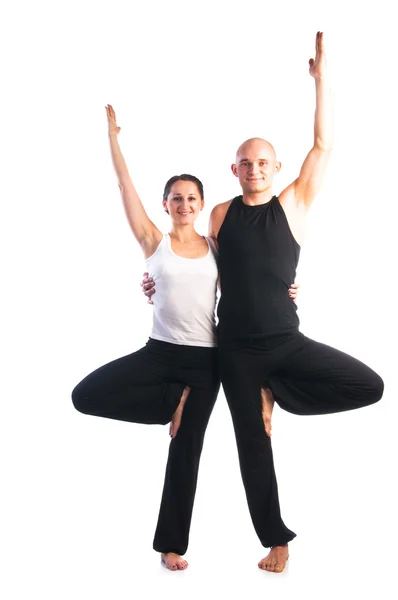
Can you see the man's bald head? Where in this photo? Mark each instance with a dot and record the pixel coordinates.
(255, 146)
(256, 166)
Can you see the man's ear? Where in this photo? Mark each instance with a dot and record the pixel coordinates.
(278, 166)
(234, 170)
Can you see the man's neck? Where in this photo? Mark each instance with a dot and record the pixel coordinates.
(257, 198)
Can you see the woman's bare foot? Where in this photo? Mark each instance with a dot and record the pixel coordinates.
(174, 562)
(276, 559)
(176, 418)
(268, 402)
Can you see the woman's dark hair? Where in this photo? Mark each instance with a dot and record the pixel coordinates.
(183, 177)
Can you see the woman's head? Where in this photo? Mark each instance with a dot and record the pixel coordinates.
(183, 198)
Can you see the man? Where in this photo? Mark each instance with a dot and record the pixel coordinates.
(260, 345)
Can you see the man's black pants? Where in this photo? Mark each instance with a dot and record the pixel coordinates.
(306, 378)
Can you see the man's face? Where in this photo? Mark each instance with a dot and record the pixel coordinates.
(255, 166)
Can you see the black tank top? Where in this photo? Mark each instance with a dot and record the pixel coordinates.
(258, 260)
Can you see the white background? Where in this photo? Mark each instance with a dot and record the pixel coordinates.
(189, 82)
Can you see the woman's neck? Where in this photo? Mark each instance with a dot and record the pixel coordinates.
(184, 234)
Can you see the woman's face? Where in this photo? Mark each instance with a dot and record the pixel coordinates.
(184, 202)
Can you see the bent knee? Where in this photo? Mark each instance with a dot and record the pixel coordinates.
(377, 387)
(80, 401)
(373, 390)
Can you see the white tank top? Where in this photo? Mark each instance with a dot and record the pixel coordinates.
(185, 298)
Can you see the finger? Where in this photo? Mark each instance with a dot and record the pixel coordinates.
(320, 41)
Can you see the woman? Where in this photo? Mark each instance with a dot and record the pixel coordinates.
(174, 378)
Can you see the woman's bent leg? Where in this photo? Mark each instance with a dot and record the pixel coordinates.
(135, 388)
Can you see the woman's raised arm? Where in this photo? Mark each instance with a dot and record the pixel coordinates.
(145, 232)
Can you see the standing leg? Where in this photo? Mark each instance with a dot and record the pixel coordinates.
(172, 531)
(242, 375)
(136, 388)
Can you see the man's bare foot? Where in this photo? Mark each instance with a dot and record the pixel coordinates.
(176, 418)
(174, 562)
(276, 559)
(268, 402)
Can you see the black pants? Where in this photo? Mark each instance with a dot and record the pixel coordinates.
(146, 387)
(306, 378)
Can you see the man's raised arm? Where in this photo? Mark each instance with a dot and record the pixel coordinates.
(303, 190)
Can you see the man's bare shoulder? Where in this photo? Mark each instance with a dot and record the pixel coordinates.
(217, 217)
(221, 209)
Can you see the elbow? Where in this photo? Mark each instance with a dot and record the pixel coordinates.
(325, 145)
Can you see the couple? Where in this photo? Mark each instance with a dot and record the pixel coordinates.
(254, 245)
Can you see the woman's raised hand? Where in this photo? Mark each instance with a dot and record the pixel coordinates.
(113, 129)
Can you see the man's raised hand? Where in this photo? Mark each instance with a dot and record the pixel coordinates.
(318, 65)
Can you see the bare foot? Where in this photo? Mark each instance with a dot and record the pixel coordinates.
(268, 402)
(174, 562)
(276, 559)
(176, 418)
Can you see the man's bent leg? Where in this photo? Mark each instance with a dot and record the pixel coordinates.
(318, 379)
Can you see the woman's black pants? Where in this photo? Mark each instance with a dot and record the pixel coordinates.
(146, 387)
